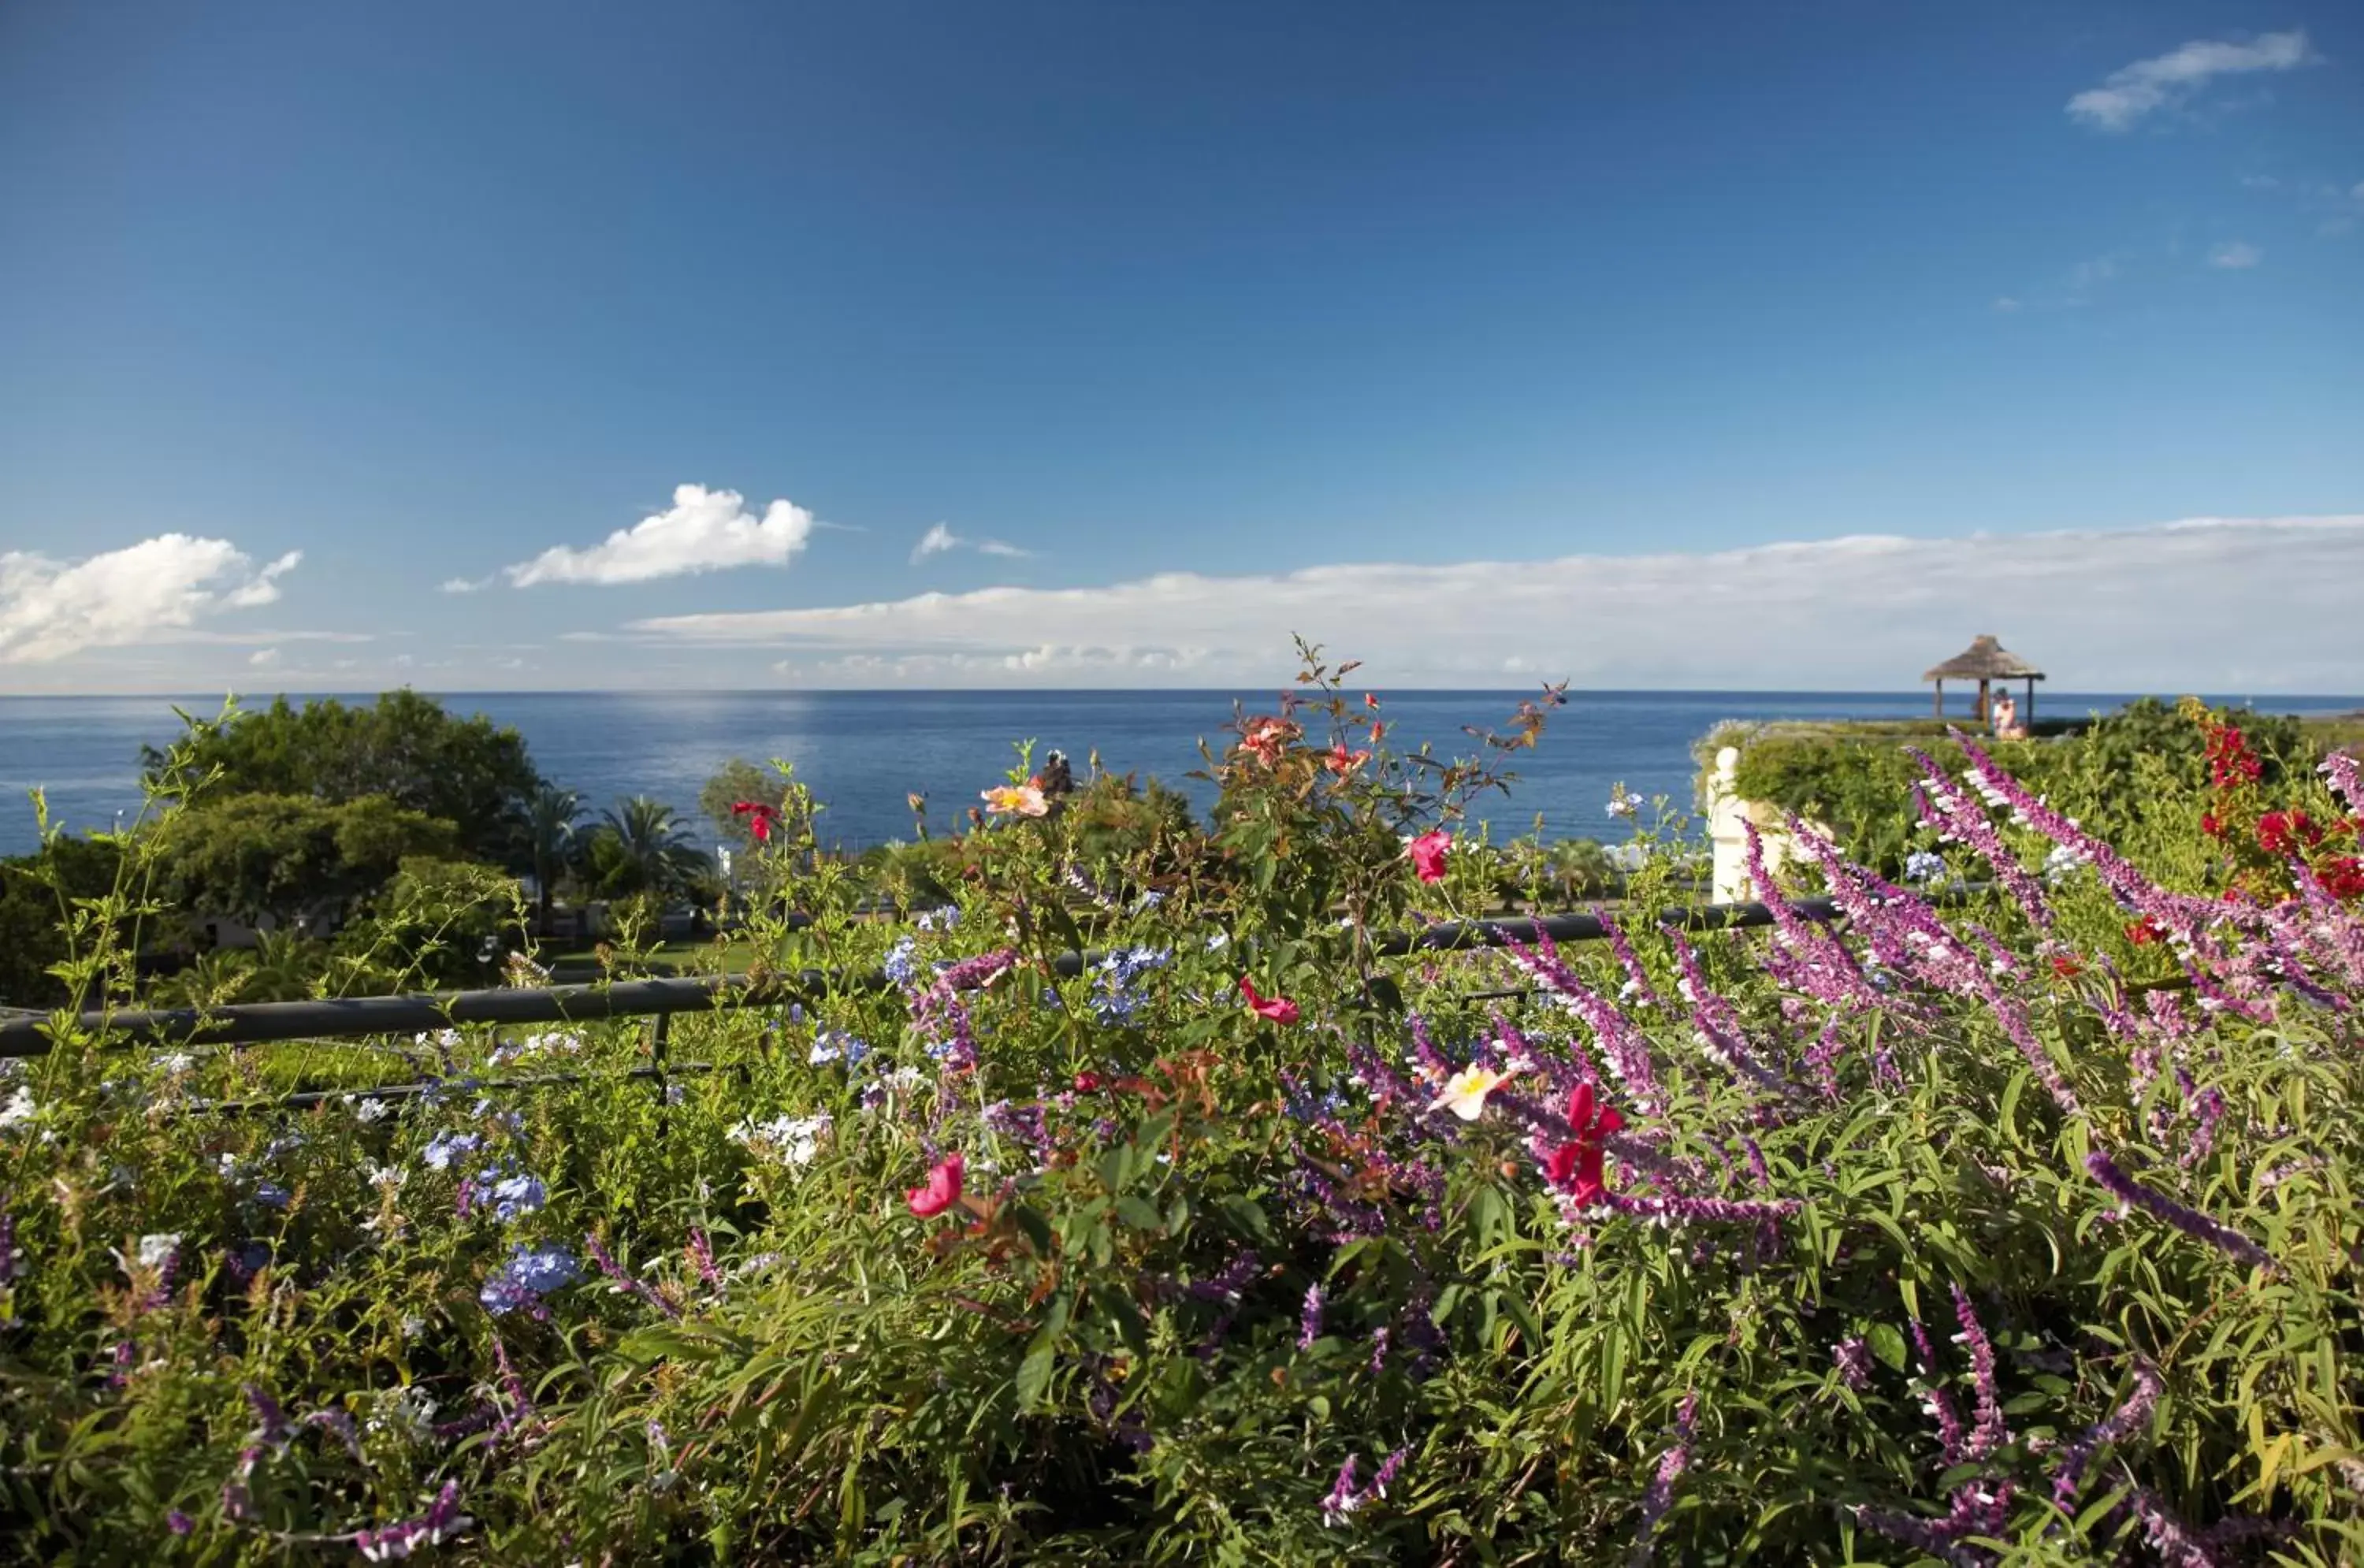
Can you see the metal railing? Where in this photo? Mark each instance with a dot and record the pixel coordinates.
(259, 1023)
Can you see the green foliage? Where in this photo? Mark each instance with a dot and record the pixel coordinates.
(738, 781)
(440, 923)
(1204, 1259)
(1857, 779)
(405, 748)
(281, 856)
(639, 847)
(37, 894)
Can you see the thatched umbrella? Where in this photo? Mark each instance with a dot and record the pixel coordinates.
(1985, 660)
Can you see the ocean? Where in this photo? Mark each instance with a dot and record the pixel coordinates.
(864, 751)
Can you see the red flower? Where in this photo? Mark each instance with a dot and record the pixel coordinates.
(2282, 832)
(1344, 762)
(1370, 699)
(944, 1188)
(2230, 761)
(2144, 931)
(1427, 853)
(2344, 878)
(2067, 968)
(762, 818)
(1574, 1168)
(1088, 1083)
(1279, 1009)
(2211, 825)
(1264, 739)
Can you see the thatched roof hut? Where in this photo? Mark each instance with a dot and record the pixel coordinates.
(1985, 660)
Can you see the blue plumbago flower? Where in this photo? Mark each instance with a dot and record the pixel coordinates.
(270, 1194)
(897, 964)
(446, 1147)
(1623, 804)
(1116, 979)
(516, 1194)
(527, 1275)
(837, 1045)
(1923, 866)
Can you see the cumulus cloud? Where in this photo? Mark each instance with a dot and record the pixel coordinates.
(704, 531)
(2101, 609)
(940, 538)
(2134, 92)
(263, 658)
(2236, 254)
(51, 609)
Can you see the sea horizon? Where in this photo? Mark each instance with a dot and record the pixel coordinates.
(863, 751)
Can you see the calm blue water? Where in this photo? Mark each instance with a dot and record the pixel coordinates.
(862, 752)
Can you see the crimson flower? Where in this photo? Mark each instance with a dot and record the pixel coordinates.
(760, 817)
(1088, 1083)
(2212, 825)
(944, 1188)
(2066, 967)
(1279, 1009)
(2282, 832)
(2144, 931)
(1427, 853)
(1370, 699)
(1574, 1167)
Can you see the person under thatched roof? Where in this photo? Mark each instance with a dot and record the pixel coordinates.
(1985, 660)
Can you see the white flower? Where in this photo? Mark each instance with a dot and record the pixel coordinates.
(404, 1410)
(18, 1110)
(792, 1140)
(1464, 1092)
(367, 1109)
(413, 1326)
(176, 1061)
(157, 1249)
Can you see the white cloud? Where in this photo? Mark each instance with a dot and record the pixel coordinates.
(263, 658)
(465, 584)
(2135, 91)
(2101, 609)
(141, 593)
(2005, 305)
(2236, 254)
(704, 531)
(940, 538)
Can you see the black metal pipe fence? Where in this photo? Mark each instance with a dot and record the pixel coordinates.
(259, 1023)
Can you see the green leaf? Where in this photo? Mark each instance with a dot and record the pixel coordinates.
(1139, 1213)
(1887, 1344)
(1042, 1353)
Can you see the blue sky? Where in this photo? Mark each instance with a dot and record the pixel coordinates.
(1235, 319)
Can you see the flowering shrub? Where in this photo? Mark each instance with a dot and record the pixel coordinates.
(1969, 1232)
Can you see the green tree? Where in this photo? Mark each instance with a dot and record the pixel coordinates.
(437, 923)
(550, 822)
(641, 847)
(403, 746)
(253, 856)
(738, 780)
(36, 894)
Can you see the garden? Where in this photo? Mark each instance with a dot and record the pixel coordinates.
(2000, 1206)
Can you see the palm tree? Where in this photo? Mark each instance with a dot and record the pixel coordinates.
(550, 838)
(642, 847)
